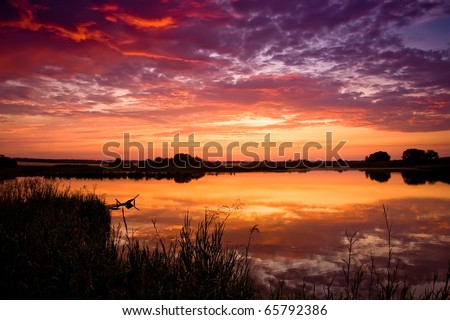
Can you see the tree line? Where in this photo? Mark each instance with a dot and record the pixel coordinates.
(7, 162)
(411, 155)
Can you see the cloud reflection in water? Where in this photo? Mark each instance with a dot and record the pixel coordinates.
(302, 218)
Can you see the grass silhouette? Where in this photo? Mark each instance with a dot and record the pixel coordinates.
(58, 244)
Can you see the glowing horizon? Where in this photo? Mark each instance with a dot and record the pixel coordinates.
(374, 73)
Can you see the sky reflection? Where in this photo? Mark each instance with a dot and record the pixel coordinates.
(302, 217)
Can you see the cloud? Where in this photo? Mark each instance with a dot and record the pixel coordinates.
(136, 21)
(347, 62)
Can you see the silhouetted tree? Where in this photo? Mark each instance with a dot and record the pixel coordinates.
(116, 163)
(7, 162)
(378, 156)
(183, 160)
(414, 155)
(431, 155)
(158, 162)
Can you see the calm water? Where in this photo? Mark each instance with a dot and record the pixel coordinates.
(302, 218)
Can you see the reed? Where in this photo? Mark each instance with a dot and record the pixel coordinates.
(366, 279)
(58, 244)
(196, 265)
(53, 242)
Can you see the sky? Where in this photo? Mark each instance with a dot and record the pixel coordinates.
(76, 75)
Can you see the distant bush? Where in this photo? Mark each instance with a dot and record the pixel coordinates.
(379, 156)
(431, 155)
(418, 155)
(7, 162)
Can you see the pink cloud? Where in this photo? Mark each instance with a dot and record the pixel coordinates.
(192, 64)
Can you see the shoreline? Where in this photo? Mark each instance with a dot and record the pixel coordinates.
(413, 175)
(184, 168)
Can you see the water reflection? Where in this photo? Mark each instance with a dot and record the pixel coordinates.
(420, 177)
(302, 217)
(380, 176)
(315, 244)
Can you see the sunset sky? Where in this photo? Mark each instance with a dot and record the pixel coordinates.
(77, 74)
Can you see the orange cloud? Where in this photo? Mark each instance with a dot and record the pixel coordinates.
(132, 20)
(106, 7)
(83, 31)
(155, 56)
(144, 23)
(26, 15)
(27, 22)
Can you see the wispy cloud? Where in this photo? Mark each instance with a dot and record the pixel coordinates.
(199, 65)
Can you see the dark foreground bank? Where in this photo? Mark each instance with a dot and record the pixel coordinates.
(58, 244)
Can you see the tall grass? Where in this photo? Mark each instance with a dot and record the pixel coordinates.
(53, 242)
(58, 244)
(196, 265)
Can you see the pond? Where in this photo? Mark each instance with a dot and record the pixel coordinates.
(302, 218)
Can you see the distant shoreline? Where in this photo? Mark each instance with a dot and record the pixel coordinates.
(427, 172)
(392, 164)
